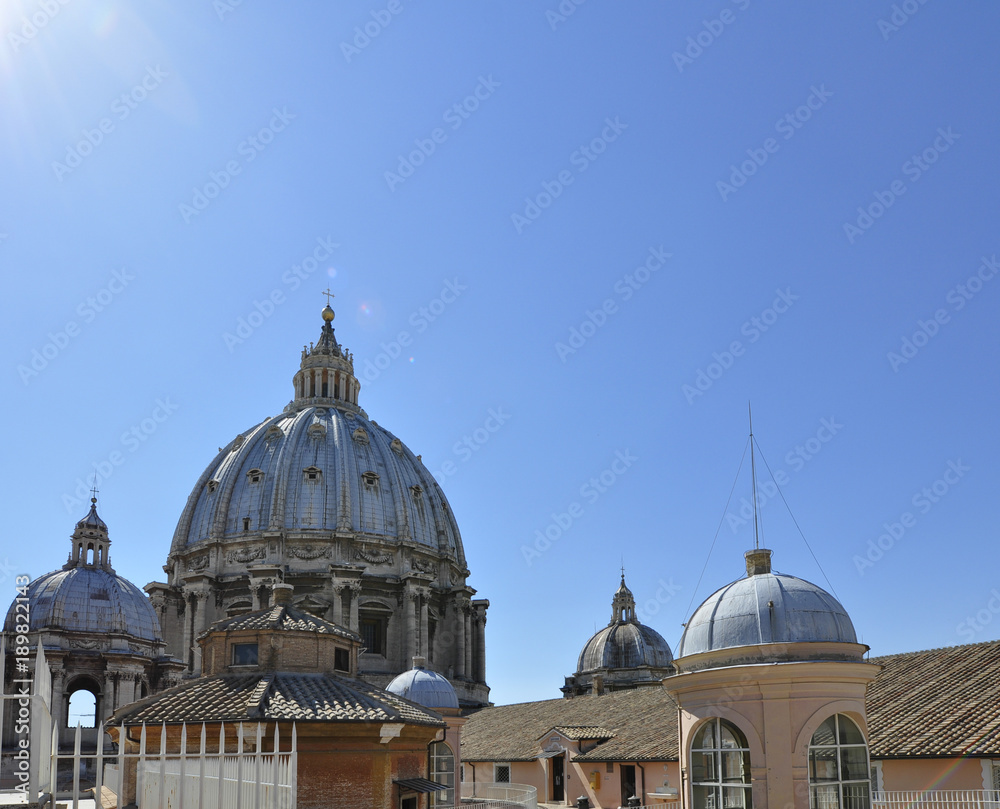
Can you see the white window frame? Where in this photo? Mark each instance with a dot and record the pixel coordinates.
(837, 747)
(991, 774)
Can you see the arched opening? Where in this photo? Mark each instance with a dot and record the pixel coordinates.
(838, 766)
(82, 708)
(720, 767)
(90, 554)
(443, 772)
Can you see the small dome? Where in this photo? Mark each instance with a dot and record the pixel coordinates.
(89, 599)
(426, 688)
(625, 646)
(765, 607)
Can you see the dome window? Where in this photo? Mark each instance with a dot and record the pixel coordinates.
(720, 766)
(313, 473)
(212, 485)
(416, 490)
(370, 478)
(246, 523)
(255, 475)
(317, 430)
(838, 765)
(360, 435)
(273, 433)
(396, 446)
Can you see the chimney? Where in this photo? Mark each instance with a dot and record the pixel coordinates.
(419, 662)
(758, 561)
(281, 593)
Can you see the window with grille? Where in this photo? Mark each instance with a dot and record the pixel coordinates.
(720, 767)
(838, 766)
(501, 773)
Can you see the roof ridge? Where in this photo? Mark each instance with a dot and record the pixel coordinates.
(255, 702)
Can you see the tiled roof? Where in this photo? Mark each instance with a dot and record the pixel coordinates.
(282, 617)
(940, 702)
(275, 696)
(580, 732)
(643, 721)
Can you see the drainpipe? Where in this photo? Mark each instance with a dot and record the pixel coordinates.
(642, 793)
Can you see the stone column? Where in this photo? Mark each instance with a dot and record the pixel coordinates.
(469, 670)
(109, 699)
(422, 629)
(459, 640)
(410, 600)
(355, 596)
(338, 604)
(198, 622)
(58, 700)
(481, 646)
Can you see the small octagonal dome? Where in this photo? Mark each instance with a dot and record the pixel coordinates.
(426, 688)
(765, 608)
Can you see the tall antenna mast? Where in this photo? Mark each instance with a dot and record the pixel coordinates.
(753, 476)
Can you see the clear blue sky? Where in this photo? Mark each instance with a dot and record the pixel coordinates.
(488, 179)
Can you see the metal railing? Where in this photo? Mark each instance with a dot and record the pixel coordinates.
(938, 799)
(479, 794)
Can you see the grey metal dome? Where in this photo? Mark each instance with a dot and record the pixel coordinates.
(625, 645)
(765, 607)
(426, 688)
(320, 469)
(88, 599)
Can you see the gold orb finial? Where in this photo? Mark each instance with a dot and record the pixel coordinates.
(328, 313)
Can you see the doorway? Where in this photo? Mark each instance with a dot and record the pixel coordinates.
(558, 763)
(628, 782)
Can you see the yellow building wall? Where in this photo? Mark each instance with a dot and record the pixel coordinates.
(920, 774)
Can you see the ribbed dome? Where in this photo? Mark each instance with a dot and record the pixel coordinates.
(624, 645)
(88, 599)
(766, 607)
(320, 469)
(426, 688)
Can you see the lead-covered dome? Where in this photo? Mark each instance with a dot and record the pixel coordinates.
(320, 466)
(86, 595)
(766, 608)
(625, 654)
(424, 687)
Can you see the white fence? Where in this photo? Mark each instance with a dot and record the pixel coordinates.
(938, 799)
(476, 794)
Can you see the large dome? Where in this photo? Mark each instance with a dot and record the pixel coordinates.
(764, 608)
(625, 645)
(87, 599)
(319, 469)
(87, 595)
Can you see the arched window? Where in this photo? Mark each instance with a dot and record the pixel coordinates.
(443, 772)
(82, 709)
(838, 766)
(720, 767)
